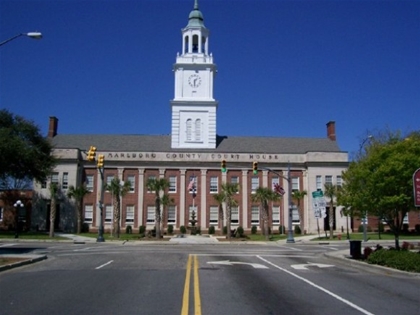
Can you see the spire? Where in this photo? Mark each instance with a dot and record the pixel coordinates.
(196, 17)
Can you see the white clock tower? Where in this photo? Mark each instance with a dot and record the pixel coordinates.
(193, 107)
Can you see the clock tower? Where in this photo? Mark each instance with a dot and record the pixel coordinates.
(193, 107)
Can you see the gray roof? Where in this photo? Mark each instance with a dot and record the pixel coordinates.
(225, 144)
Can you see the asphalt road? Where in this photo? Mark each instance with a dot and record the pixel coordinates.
(104, 278)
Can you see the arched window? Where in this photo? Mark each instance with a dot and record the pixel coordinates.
(195, 44)
(186, 41)
(197, 130)
(189, 129)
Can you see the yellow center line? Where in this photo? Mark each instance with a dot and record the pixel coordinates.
(192, 263)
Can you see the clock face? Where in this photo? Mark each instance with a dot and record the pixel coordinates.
(194, 80)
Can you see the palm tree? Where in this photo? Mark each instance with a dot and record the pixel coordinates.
(78, 193)
(263, 195)
(331, 192)
(165, 202)
(299, 195)
(118, 189)
(219, 199)
(158, 186)
(228, 191)
(53, 206)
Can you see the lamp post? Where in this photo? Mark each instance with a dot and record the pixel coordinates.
(365, 214)
(290, 238)
(101, 238)
(34, 35)
(18, 204)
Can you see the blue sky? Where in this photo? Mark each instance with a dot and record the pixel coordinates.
(285, 68)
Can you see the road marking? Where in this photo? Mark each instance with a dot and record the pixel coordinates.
(104, 264)
(231, 263)
(362, 310)
(303, 266)
(6, 245)
(192, 263)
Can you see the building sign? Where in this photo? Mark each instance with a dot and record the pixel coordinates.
(319, 204)
(416, 187)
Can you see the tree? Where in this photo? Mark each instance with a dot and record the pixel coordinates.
(219, 199)
(53, 206)
(228, 190)
(380, 181)
(264, 195)
(25, 153)
(118, 189)
(299, 195)
(165, 202)
(78, 194)
(159, 186)
(331, 192)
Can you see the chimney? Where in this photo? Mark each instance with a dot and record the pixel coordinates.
(52, 130)
(331, 130)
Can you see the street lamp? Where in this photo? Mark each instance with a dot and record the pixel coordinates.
(290, 238)
(18, 204)
(34, 35)
(365, 214)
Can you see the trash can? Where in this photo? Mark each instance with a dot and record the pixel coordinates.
(356, 249)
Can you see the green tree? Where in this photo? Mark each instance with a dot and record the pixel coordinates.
(228, 191)
(298, 195)
(159, 186)
(331, 192)
(219, 199)
(118, 189)
(380, 181)
(25, 153)
(263, 196)
(53, 206)
(78, 193)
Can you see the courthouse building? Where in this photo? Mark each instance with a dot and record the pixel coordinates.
(193, 151)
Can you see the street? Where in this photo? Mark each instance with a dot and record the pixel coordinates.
(186, 279)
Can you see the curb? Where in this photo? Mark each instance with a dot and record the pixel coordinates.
(29, 260)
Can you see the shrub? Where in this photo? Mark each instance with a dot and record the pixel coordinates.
(282, 229)
(297, 229)
(366, 252)
(360, 228)
(225, 230)
(401, 260)
(240, 231)
(212, 230)
(170, 229)
(182, 229)
(253, 229)
(128, 229)
(198, 230)
(85, 228)
(142, 231)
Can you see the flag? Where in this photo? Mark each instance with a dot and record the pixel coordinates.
(278, 189)
(191, 185)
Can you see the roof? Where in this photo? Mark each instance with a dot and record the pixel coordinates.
(225, 144)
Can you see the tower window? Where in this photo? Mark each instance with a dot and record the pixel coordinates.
(193, 130)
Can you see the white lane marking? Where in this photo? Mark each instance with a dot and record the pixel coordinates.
(7, 245)
(309, 264)
(104, 264)
(318, 287)
(231, 263)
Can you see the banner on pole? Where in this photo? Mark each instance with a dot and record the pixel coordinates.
(319, 204)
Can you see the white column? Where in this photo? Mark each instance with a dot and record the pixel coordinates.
(203, 205)
(140, 200)
(244, 186)
(181, 210)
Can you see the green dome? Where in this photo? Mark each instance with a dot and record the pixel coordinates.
(196, 17)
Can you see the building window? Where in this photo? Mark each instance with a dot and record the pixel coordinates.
(234, 180)
(54, 178)
(171, 214)
(235, 216)
(255, 215)
(274, 181)
(295, 183)
(318, 182)
(214, 184)
(44, 184)
(189, 129)
(132, 180)
(1, 214)
(276, 215)
(339, 181)
(197, 130)
(88, 213)
(295, 214)
(65, 184)
(89, 182)
(328, 180)
(255, 182)
(172, 184)
(193, 130)
(214, 215)
(108, 213)
(129, 214)
(151, 214)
